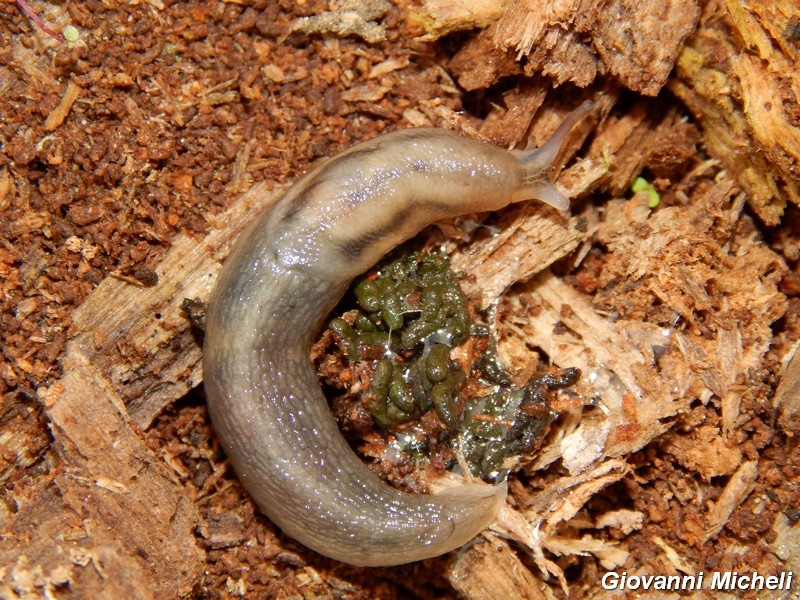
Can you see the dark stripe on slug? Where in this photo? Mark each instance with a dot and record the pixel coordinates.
(354, 248)
(321, 177)
(301, 201)
(327, 171)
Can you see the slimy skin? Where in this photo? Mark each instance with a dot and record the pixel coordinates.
(283, 277)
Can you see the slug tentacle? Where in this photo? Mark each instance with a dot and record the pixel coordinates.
(285, 274)
(537, 163)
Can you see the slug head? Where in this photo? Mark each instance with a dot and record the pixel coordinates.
(537, 163)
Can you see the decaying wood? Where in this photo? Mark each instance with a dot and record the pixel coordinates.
(641, 391)
(535, 526)
(23, 439)
(114, 521)
(490, 569)
(131, 350)
(738, 488)
(738, 74)
(787, 395)
(622, 35)
(786, 542)
(441, 17)
(480, 64)
(650, 135)
(508, 257)
(654, 258)
(575, 41)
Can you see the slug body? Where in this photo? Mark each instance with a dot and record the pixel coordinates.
(284, 276)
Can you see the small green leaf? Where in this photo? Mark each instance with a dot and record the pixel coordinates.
(640, 184)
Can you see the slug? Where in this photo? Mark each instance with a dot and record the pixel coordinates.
(283, 277)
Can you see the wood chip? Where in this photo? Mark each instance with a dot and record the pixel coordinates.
(737, 490)
(441, 17)
(350, 17)
(491, 569)
(57, 116)
(787, 396)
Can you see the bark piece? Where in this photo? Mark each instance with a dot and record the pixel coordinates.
(634, 41)
(650, 135)
(737, 490)
(787, 396)
(510, 128)
(638, 42)
(480, 63)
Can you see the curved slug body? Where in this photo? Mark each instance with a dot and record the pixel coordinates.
(285, 274)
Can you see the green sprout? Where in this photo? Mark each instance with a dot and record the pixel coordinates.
(640, 184)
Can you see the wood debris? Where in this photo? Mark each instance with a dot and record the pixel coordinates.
(105, 480)
(55, 118)
(643, 373)
(350, 17)
(738, 75)
(787, 395)
(721, 345)
(575, 41)
(490, 569)
(441, 17)
(738, 488)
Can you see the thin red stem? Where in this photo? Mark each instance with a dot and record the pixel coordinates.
(26, 8)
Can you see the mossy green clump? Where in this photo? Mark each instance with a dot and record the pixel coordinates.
(507, 422)
(411, 312)
(410, 315)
